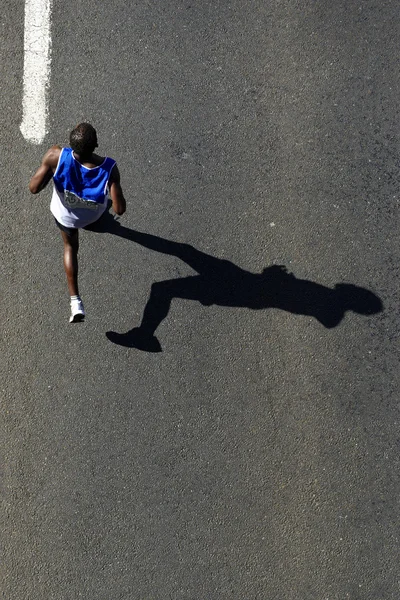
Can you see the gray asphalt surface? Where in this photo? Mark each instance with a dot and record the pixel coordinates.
(256, 456)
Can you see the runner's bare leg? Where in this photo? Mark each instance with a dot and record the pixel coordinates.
(71, 247)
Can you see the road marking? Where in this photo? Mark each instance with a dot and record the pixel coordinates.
(37, 56)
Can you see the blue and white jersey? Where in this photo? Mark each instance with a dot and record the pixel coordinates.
(80, 194)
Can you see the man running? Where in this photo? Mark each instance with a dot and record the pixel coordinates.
(82, 181)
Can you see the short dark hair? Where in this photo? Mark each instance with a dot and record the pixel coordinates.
(83, 139)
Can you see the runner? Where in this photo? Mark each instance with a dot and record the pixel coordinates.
(82, 181)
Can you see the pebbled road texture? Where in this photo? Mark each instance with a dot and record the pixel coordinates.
(257, 455)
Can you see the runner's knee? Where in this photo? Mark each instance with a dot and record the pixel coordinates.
(71, 241)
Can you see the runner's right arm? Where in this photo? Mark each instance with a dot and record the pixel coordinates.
(46, 170)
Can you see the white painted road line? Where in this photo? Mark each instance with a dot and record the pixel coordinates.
(37, 56)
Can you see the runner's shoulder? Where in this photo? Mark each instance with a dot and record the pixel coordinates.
(114, 174)
(52, 156)
(97, 160)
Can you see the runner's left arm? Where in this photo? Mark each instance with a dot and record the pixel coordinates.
(116, 193)
(46, 170)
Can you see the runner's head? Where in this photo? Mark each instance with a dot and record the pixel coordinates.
(83, 139)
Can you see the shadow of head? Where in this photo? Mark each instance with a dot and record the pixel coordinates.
(357, 299)
(327, 305)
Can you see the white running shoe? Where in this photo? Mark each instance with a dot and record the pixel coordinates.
(77, 311)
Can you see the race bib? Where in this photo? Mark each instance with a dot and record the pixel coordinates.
(73, 201)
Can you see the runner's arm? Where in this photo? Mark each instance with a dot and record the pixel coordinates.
(116, 193)
(46, 170)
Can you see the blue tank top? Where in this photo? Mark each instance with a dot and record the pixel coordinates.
(80, 185)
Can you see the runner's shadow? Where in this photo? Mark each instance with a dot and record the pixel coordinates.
(223, 283)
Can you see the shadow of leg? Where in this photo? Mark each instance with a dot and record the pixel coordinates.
(135, 338)
(156, 310)
(201, 262)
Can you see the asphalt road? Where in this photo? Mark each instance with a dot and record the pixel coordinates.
(257, 455)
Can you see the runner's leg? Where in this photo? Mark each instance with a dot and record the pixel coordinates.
(71, 247)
